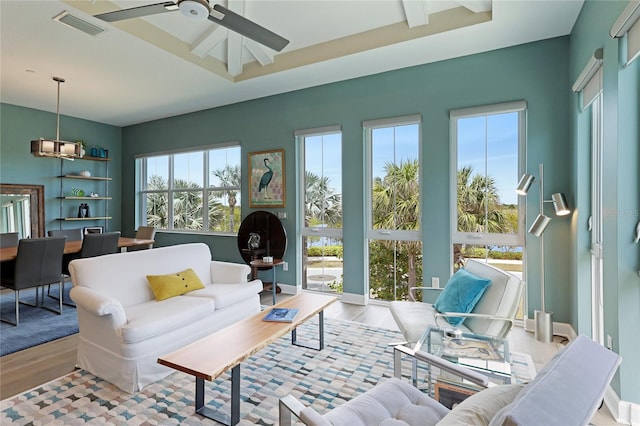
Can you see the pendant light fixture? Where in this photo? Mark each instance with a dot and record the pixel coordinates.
(56, 148)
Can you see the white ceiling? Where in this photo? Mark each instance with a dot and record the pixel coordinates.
(163, 65)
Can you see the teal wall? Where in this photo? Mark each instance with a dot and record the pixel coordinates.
(18, 126)
(558, 135)
(535, 72)
(621, 199)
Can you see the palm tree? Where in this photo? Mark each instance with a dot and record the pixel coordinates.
(157, 203)
(321, 202)
(229, 178)
(187, 205)
(479, 207)
(396, 206)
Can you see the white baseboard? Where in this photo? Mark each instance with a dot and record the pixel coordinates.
(354, 299)
(289, 289)
(626, 413)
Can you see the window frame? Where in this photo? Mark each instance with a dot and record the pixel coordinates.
(205, 190)
(372, 234)
(487, 238)
(305, 231)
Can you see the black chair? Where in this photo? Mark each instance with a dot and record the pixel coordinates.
(99, 244)
(73, 234)
(38, 263)
(9, 239)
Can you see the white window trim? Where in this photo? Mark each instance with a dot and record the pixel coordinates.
(206, 188)
(480, 238)
(368, 126)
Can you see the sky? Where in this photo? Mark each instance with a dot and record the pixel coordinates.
(494, 136)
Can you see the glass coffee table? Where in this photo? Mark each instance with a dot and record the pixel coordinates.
(484, 354)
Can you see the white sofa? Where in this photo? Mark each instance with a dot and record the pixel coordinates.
(123, 328)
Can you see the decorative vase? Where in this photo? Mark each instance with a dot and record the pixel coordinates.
(254, 241)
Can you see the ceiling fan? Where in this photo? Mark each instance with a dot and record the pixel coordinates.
(200, 9)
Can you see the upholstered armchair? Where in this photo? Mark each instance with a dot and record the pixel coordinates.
(492, 313)
(567, 391)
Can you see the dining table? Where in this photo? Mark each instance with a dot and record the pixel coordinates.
(72, 247)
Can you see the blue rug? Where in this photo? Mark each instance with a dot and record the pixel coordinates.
(37, 325)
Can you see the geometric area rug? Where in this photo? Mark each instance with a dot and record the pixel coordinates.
(355, 358)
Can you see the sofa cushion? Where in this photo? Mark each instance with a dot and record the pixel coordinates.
(225, 295)
(171, 285)
(392, 402)
(481, 407)
(152, 318)
(461, 294)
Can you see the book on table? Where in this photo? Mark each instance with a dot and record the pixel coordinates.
(281, 314)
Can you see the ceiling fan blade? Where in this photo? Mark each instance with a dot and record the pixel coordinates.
(247, 28)
(137, 12)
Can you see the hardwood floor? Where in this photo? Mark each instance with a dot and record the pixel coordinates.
(35, 366)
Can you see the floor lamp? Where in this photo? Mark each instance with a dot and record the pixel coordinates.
(543, 319)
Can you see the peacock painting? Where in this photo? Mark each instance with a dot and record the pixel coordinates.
(266, 178)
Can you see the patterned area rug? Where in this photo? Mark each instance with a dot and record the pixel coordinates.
(355, 358)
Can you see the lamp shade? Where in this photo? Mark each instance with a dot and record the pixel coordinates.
(560, 204)
(539, 225)
(525, 183)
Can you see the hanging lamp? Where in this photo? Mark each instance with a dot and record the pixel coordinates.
(55, 147)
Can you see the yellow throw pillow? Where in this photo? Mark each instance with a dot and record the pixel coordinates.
(166, 286)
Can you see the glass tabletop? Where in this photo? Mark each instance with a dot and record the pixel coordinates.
(486, 353)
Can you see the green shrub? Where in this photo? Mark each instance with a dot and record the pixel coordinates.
(325, 251)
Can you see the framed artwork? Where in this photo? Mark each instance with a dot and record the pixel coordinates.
(266, 179)
(93, 230)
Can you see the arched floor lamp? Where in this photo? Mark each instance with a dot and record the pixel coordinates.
(543, 319)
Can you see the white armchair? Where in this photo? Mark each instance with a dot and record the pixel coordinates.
(493, 315)
(567, 391)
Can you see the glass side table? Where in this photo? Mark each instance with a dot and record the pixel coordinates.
(485, 354)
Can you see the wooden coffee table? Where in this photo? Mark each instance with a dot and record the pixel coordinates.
(209, 357)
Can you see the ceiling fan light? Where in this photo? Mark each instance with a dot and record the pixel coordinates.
(194, 9)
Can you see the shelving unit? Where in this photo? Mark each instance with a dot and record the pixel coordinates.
(99, 204)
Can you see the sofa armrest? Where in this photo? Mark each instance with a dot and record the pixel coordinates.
(289, 405)
(98, 304)
(228, 272)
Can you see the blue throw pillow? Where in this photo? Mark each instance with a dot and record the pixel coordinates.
(461, 294)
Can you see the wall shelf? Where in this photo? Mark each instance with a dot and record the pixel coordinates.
(98, 183)
(84, 198)
(84, 177)
(84, 218)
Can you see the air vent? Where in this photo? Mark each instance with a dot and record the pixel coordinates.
(79, 24)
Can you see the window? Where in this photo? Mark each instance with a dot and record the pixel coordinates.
(191, 191)
(394, 248)
(589, 88)
(320, 156)
(487, 161)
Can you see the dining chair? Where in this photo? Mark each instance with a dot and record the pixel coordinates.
(144, 233)
(9, 239)
(38, 263)
(73, 234)
(99, 244)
